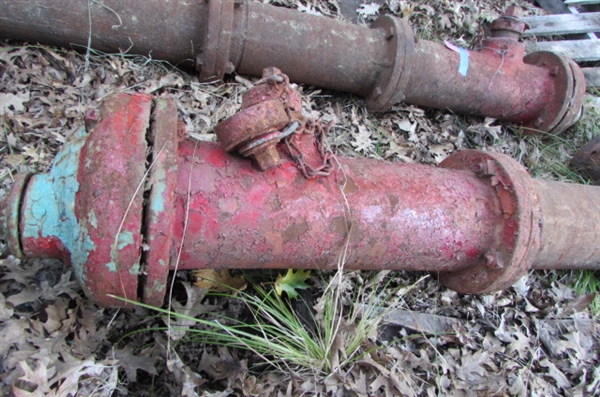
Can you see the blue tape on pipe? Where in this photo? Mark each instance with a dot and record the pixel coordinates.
(463, 65)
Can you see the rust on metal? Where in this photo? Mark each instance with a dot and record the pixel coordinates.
(479, 221)
(519, 236)
(109, 201)
(561, 206)
(10, 212)
(87, 211)
(399, 217)
(258, 127)
(113, 26)
(542, 91)
(159, 220)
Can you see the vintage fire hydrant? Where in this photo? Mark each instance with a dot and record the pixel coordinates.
(128, 201)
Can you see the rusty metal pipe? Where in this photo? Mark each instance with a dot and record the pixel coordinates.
(479, 221)
(579, 246)
(165, 30)
(386, 63)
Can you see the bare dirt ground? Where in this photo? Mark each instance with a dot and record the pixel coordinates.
(536, 338)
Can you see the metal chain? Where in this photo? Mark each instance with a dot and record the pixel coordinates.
(319, 130)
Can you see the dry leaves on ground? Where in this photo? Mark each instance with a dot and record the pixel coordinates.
(537, 338)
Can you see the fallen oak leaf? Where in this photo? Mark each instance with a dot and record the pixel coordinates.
(291, 282)
(368, 9)
(36, 379)
(184, 315)
(131, 363)
(6, 311)
(218, 280)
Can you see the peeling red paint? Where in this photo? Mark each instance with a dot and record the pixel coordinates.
(479, 222)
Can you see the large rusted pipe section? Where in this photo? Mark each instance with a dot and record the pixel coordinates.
(131, 200)
(385, 63)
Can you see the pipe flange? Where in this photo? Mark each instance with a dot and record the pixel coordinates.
(566, 105)
(518, 241)
(160, 217)
(10, 214)
(108, 205)
(394, 78)
(212, 61)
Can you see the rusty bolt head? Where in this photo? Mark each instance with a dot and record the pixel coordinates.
(389, 33)
(229, 68)
(90, 119)
(509, 25)
(478, 168)
(493, 261)
(513, 11)
(267, 157)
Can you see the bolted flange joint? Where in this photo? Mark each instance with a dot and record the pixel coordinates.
(518, 239)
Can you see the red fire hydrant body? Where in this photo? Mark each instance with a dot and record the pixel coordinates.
(126, 203)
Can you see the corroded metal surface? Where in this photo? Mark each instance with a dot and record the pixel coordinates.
(479, 222)
(272, 104)
(492, 80)
(159, 220)
(570, 236)
(565, 93)
(109, 201)
(518, 235)
(542, 92)
(87, 210)
(157, 29)
(10, 212)
(400, 216)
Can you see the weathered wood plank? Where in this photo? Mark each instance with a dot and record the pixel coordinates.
(581, 2)
(549, 25)
(553, 6)
(578, 50)
(592, 77)
(574, 10)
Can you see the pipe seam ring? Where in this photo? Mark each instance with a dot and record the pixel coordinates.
(519, 239)
(394, 78)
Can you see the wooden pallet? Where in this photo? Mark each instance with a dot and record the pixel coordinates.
(586, 25)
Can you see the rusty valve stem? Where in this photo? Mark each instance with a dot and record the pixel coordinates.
(386, 63)
(271, 111)
(479, 221)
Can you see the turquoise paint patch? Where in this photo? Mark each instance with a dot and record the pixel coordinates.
(158, 285)
(93, 220)
(49, 206)
(157, 201)
(111, 266)
(135, 269)
(125, 239)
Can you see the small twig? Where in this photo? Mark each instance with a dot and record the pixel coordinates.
(185, 226)
(113, 249)
(89, 41)
(502, 53)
